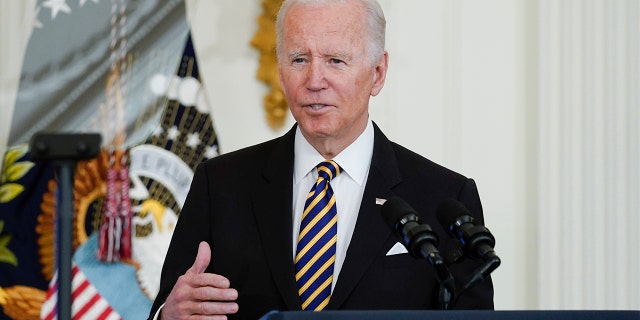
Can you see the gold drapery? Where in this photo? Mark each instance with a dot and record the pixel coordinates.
(264, 40)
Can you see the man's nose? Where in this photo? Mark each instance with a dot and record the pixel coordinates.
(316, 76)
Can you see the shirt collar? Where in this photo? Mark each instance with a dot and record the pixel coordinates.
(354, 160)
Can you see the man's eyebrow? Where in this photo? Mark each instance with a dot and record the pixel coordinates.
(340, 55)
(296, 54)
(332, 55)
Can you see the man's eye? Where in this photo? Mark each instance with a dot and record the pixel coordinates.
(336, 61)
(298, 60)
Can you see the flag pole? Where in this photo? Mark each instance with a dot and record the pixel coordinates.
(64, 232)
(65, 150)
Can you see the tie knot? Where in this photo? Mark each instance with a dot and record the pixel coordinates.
(328, 169)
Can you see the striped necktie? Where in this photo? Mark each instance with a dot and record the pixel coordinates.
(316, 251)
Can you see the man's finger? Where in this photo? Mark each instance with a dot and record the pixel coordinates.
(202, 258)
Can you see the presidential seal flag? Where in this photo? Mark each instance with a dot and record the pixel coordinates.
(162, 168)
(160, 171)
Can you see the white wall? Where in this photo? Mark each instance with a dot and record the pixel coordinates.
(589, 154)
(222, 31)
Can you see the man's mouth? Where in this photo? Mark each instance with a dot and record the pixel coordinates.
(317, 106)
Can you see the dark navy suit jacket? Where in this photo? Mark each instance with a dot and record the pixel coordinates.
(241, 204)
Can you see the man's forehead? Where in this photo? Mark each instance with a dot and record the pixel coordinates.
(329, 24)
(340, 10)
(332, 45)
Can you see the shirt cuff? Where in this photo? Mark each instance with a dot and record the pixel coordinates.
(155, 317)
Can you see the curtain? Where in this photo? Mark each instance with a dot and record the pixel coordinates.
(16, 21)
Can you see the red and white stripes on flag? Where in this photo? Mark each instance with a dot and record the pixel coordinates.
(87, 302)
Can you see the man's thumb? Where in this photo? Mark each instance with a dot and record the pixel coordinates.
(202, 258)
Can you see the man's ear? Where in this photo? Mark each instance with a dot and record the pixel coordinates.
(380, 74)
(280, 79)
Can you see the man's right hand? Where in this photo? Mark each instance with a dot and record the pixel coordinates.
(200, 294)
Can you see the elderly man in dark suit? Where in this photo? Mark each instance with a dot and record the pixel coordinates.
(252, 238)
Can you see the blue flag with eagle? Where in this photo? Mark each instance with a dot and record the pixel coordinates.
(160, 173)
(162, 168)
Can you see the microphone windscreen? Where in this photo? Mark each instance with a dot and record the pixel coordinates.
(449, 211)
(394, 209)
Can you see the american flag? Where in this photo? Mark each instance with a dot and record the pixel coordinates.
(87, 301)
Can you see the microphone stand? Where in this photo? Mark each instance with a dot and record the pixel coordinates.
(492, 262)
(445, 297)
(447, 286)
(65, 150)
(447, 290)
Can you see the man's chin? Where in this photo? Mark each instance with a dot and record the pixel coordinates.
(317, 131)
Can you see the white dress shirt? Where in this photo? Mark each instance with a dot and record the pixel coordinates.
(348, 186)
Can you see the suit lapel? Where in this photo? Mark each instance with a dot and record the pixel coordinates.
(363, 248)
(272, 209)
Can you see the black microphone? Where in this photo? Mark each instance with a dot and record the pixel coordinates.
(420, 241)
(418, 238)
(476, 239)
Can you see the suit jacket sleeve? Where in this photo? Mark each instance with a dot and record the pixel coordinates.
(192, 228)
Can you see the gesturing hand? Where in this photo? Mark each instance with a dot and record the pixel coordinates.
(200, 295)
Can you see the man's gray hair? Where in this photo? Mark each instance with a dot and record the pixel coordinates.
(375, 32)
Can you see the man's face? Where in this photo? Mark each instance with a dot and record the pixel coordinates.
(326, 72)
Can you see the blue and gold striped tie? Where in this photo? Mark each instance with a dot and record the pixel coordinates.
(316, 252)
